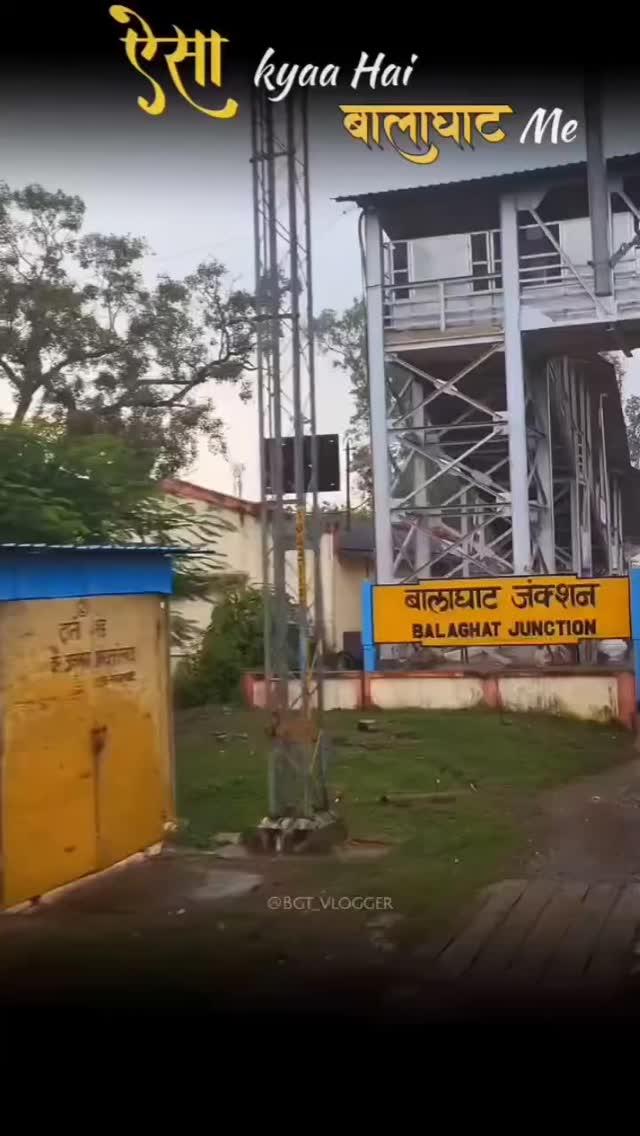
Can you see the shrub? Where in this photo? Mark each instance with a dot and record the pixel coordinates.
(232, 644)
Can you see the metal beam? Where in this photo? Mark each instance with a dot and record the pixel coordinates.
(423, 536)
(514, 367)
(378, 397)
(598, 189)
(542, 468)
(567, 260)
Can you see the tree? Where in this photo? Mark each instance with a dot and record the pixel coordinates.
(84, 344)
(232, 644)
(616, 360)
(631, 407)
(343, 337)
(632, 419)
(56, 488)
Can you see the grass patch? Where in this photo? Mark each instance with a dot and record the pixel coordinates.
(440, 852)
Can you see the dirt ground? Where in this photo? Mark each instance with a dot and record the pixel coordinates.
(590, 829)
(188, 931)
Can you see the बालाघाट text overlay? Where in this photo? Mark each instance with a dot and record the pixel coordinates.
(414, 131)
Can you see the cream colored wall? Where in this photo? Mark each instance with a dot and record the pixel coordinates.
(350, 576)
(342, 582)
(238, 548)
(593, 697)
(340, 693)
(341, 589)
(438, 693)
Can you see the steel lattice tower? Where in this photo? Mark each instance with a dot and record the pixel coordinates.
(287, 409)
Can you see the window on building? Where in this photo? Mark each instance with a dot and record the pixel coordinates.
(486, 262)
(400, 269)
(497, 259)
(540, 262)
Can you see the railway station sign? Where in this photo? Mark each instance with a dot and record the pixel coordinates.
(504, 611)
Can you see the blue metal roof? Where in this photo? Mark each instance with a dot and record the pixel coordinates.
(77, 571)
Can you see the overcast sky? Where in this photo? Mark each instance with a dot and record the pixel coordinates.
(184, 183)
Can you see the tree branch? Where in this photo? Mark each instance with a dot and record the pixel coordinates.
(79, 357)
(9, 371)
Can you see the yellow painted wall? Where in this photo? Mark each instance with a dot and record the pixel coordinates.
(86, 750)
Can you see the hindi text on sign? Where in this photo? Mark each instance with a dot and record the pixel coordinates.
(499, 612)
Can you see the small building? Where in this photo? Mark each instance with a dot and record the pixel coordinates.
(238, 545)
(346, 557)
(346, 563)
(86, 765)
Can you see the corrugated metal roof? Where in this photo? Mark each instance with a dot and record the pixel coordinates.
(167, 550)
(356, 541)
(617, 163)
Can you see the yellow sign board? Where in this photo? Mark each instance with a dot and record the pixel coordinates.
(505, 611)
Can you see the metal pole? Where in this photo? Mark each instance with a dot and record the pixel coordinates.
(605, 488)
(299, 756)
(298, 419)
(598, 189)
(543, 463)
(422, 547)
(257, 146)
(280, 637)
(316, 517)
(516, 405)
(378, 398)
(348, 464)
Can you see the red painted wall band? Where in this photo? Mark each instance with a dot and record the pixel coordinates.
(627, 700)
(491, 692)
(249, 690)
(492, 698)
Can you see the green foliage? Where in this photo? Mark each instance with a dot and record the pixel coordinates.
(110, 382)
(630, 406)
(232, 644)
(632, 418)
(56, 488)
(85, 344)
